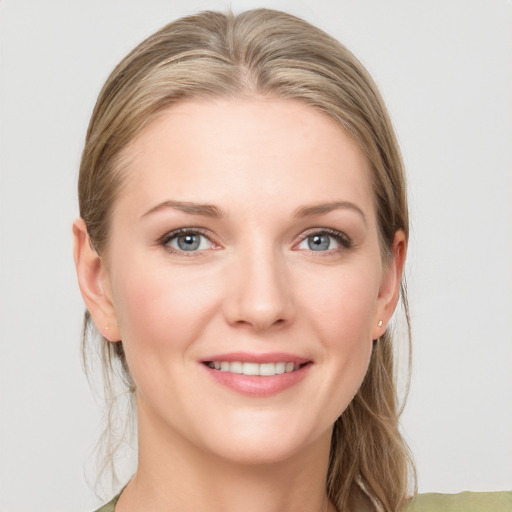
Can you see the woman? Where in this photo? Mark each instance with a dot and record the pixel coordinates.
(242, 235)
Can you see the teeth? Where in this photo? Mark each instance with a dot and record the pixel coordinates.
(264, 369)
(236, 367)
(250, 368)
(267, 369)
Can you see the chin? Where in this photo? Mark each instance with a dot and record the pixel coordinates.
(258, 455)
(273, 444)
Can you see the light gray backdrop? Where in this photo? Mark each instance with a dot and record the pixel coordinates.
(445, 70)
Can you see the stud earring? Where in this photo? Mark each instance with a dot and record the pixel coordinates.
(379, 323)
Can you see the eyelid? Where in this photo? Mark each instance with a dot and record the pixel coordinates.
(167, 237)
(342, 238)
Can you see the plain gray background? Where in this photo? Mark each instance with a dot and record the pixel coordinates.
(444, 68)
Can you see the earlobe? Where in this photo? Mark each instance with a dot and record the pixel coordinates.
(390, 287)
(93, 283)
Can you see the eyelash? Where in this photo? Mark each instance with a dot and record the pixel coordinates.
(168, 237)
(341, 238)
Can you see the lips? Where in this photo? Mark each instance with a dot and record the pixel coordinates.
(257, 374)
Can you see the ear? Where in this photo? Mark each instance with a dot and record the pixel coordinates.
(390, 286)
(94, 283)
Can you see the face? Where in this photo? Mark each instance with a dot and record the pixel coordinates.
(245, 276)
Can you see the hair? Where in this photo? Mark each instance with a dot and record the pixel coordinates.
(272, 54)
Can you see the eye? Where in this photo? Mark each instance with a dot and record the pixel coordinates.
(326, 240)
(187, 241)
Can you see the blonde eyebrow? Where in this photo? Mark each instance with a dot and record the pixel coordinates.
(324, 208)
(205, 210)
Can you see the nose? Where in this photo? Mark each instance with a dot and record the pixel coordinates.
(259, 291)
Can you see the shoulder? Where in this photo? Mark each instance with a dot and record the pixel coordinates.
(434, 502)
(109, 507)
(463, 502)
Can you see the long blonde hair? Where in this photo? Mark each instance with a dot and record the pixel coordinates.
(269, 53)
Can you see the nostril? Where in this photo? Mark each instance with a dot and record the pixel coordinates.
(258, 298)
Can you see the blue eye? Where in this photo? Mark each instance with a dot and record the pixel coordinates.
(187, 241)
(320, 242)
(324, 241)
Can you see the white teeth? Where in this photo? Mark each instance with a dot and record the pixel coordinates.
(264, 369)
(267, 369)
(236, 367)
(280, 368)
(250, 368)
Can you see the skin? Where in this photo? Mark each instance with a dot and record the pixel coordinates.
(254, 285)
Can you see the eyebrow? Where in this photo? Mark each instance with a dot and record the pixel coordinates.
(324, 208)
(209, 210)
(206, 210)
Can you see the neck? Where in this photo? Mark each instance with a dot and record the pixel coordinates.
(174, 475)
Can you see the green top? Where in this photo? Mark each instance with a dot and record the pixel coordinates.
(433, 502)
(463, 502)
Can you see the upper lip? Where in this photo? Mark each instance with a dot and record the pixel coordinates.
(248, 357)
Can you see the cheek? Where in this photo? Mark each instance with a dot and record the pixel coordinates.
(161, 311)
(343, 305)
(342, 316)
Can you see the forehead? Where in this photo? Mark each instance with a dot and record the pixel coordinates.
(245, 151)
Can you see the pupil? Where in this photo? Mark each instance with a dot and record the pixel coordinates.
(318, 242)
(188, 242)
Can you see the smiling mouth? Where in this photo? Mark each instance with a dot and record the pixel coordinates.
(255, 369)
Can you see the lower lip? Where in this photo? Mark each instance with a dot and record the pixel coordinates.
(259, 386)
